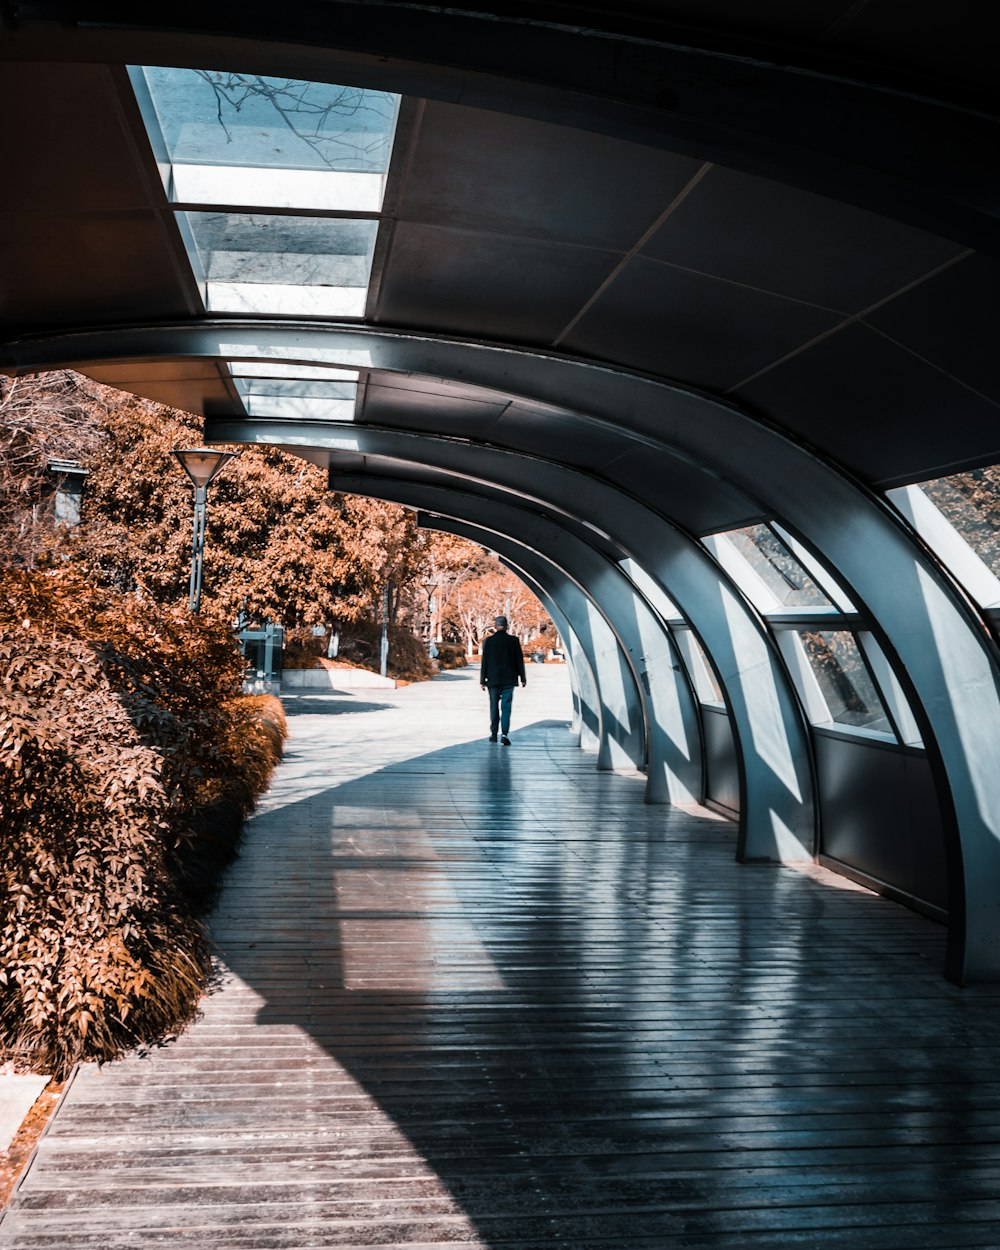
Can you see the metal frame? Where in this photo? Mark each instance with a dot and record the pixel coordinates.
(947, 664)
(674, 751)
(777, 807)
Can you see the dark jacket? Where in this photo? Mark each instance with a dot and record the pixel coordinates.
(502, 663)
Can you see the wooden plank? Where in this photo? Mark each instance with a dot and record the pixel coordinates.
(488, 999)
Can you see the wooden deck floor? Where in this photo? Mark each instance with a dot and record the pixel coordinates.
(484, 997)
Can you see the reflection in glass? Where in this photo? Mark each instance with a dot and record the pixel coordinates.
(213, 117)
(699, 670)
(971, 502)
(296, 388)
(261, 263)
(777, 568)
(844, 680)
(281, 369)
(288, 408)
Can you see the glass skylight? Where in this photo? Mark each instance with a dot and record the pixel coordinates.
(260, 153)
(307, 408)
(281, 369)
(257, 263)
(971, 503)
(295, 388)
(323, 395)
(699, 670)
(270, 142)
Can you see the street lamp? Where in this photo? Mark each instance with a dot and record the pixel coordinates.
(202, 465)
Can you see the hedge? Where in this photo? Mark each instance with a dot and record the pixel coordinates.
(128, 760)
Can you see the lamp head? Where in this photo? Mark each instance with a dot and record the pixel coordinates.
(202, 464)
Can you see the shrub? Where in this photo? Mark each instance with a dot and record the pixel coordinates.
(360, 644)
(451, 655)
(127, 763)
(296, 654)
(94, 953)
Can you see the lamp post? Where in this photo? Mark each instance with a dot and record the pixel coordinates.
(202, 465)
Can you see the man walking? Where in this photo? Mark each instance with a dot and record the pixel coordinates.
(501, 668)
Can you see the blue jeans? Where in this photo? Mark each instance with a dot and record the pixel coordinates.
(500, 701)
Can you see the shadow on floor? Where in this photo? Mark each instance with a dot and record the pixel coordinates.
(334, 704)
(560, 1016)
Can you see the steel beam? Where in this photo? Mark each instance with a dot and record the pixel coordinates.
(942, 655)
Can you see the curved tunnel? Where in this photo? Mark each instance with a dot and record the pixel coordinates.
(657, 319)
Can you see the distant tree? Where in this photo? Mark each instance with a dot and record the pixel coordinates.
(43, 417)
(279, 544)
(497, 592)
(277, 541)
(449, 562)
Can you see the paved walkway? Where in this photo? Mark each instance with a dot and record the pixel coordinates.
(484, 997)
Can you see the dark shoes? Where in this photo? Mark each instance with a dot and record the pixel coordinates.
(505, 740)
(493, 737)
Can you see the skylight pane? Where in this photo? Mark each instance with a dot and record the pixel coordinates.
(959, 519)
(289, 408)
(263, 263)
(212, 117)
(297, 389)
(266, 188)
(255, 352)
(268, 369)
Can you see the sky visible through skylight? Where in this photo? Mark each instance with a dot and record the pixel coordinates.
(278, 186)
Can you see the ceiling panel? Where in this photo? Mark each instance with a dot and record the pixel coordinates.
(695, 329)
(64, 141)
(426, 384)
(697, 501)
(205, 394)
(65, 269)
(795, 244)
(952, 321)
(423, 409)
(943, 39)
(487, 286)
(140, 371)
(877, 408)
(510, 175)
(559, 435)
(764, 17)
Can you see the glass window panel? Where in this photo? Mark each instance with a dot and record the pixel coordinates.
(252, 262)
(650, 590)
(971, 503)
(212, 117)
(699, 670)
(273, 353)
(300, 409)
(820, 574)
(844, 680)
(775, 565)
(891, 691)
(272, 188)
(297, 389)
(265, 369)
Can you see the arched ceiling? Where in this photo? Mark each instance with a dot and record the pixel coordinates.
(793, 210)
